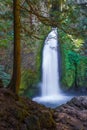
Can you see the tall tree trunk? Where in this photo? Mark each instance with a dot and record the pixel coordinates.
(15, 81)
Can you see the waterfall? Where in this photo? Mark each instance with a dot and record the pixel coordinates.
(50, 69)
(51, 95)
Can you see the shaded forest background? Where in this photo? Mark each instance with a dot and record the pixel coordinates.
(37, 18)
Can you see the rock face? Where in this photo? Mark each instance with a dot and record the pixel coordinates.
(19, 113)
(73, 115)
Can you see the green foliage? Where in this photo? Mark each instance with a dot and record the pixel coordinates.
(32, 75)
(74, 65)
(4, 76)
(73, 57)
(82, 72)
(28, 82)
(71, 25)
(6, 23)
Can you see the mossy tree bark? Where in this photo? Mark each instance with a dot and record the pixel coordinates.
(15, 81)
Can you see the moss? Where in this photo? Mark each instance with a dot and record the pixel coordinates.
(68, 79)
(74, 68)
(28, 82)
(82, 71)
(32, 123)
(46, 120)
(23, 114)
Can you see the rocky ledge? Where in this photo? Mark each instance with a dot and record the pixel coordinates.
(72, 115)
(19, 113)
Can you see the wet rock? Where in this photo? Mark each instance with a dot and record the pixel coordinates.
(19, 113)
(72, 115)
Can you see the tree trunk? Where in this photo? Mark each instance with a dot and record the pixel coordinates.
(15, 81)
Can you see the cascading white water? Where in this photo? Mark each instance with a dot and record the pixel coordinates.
(50, 89)
(50, 72)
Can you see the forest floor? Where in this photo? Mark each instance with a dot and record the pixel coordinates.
(20, 113)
